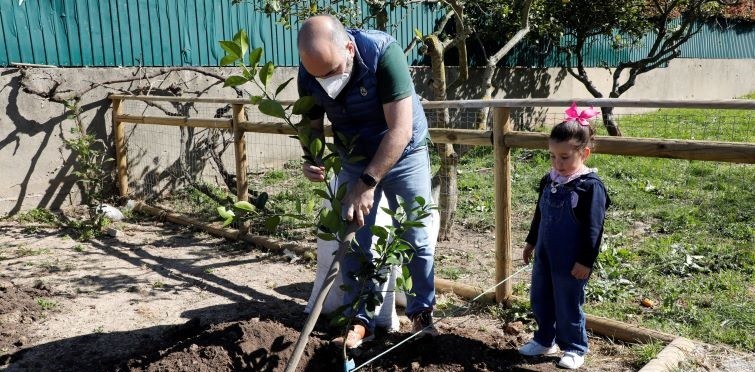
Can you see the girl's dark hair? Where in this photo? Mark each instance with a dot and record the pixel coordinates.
(571, 130)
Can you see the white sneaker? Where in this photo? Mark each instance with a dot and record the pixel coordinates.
(571, 360)
(533, 348)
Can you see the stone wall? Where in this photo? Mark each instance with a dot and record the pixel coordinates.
(37, 169)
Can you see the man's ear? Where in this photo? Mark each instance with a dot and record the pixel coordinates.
(351, 48)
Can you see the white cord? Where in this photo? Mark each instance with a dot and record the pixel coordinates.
(439, 321)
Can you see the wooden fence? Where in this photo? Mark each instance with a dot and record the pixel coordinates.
(504, 138)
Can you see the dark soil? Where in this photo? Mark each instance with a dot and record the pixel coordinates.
(244, 309)
(18, 309)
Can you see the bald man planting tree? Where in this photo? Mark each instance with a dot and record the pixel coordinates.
(361, 80)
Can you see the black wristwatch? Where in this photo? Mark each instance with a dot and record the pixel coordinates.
(368, 179)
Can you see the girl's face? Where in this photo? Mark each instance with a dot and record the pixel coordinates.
(566, 157)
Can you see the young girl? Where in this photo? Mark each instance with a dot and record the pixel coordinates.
(565, 236)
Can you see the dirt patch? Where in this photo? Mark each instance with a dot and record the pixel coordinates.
(19, 307)
(161, 297)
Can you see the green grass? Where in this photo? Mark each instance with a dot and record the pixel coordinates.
(46, 303)
(681, 233)
(37, 216)
(644, 353)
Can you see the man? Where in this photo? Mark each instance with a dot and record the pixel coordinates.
(361, 80)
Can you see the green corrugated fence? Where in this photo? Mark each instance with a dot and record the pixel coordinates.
(108, 33)
(73, 33)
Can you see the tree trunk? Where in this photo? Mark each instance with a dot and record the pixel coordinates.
(446, 176)
(609, 122)
(448, 198)
(487, 83)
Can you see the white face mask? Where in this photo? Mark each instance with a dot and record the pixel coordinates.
(334, 85)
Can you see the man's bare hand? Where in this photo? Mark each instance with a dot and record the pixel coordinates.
(580, 271)
(313, 172)
(358, 202)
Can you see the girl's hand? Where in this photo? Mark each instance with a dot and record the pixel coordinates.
(527, 253)
(580, 271)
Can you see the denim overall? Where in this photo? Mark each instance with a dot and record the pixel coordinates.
(556, 296)
(408, 178)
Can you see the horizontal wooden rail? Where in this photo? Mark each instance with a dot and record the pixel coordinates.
(180, 121)
(455, 136)
(221, 100)
(270, 127)
(732, 152)
(741, 104)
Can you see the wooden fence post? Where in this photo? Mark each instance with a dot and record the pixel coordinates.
(239, 142)
(121, 160)
(503, 251)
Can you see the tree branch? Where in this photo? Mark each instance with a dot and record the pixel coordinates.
(525, 19)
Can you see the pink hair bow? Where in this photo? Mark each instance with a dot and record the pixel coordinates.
(581, 117)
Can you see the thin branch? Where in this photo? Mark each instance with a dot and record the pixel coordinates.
(517, 37)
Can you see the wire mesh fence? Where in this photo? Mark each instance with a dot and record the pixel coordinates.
(192, 170)
(681, 232)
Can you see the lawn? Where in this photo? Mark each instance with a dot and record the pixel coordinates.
(680, 233)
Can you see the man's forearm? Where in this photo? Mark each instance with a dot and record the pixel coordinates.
(398, 116)
(390, 150)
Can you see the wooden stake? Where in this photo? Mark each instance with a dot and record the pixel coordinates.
(121, 160)
(671, 356)
(242, 183)
(216, 230)
(503, 251)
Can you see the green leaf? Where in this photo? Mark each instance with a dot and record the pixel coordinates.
(254, 57)
(331, 221)
(225, 213)
(272, 108)
(231, 48)
(228, 60)
(418, 33)
(266, 73)
(244, 205)
(227, 222)
(413, 224)
(247, 74)
(393, 261)
(256, 100)
(379, 231)
(337, 165)
(322, 193)
(315, 147)
(303, 105)
(282, 86)
(273, 6)
(389, 212)
(341, 192)
(235, 80)
(420, 200)
(242, 40)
